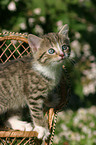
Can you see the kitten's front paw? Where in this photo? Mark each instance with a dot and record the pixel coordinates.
(17, 124)
(43, 133)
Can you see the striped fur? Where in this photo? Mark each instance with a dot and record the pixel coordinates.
(30, 79)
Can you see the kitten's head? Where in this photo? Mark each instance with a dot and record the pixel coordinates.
(52, 48)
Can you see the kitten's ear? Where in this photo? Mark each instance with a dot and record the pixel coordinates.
(34, 42)
(64, 30)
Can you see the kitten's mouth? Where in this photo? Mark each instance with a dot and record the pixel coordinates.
(61, 59)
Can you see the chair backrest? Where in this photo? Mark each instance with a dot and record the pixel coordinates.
(13, 46)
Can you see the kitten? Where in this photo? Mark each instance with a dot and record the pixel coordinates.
(31, 79)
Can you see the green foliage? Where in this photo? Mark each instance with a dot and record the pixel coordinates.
(76, 127)
(43, 16)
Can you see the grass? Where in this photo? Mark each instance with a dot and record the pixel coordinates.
(76, 127)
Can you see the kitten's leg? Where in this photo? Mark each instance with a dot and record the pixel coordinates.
(40, 124)
(3, 107)
(14, 121)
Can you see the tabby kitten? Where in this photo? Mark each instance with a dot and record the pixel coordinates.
(31, 79)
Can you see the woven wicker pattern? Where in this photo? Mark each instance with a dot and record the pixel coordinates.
(13, 46)
(17, 141)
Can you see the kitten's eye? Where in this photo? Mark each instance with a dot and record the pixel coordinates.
(64, 47)
(51, 50)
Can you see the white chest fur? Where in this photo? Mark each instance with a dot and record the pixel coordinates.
(51, 72)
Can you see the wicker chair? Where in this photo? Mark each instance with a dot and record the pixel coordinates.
(13, 46)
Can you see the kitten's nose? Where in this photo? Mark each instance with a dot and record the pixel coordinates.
(62, 55)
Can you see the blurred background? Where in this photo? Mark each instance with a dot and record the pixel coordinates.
(43, 16)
